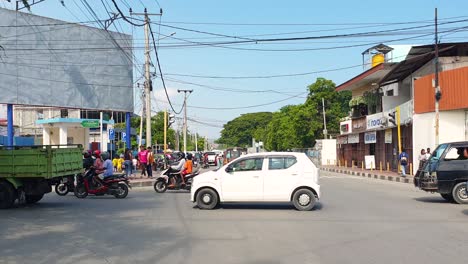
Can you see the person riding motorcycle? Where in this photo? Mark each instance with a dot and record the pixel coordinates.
(178, 167)
(107, 165)
(88, 161)
(188, 167)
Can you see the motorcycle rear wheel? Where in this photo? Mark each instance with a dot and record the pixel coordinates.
(80, 191)
(160, 186)
(122, 191)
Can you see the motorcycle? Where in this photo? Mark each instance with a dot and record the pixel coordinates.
(116, 185)
(162, 182)
(65, 186)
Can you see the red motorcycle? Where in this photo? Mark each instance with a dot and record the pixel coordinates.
(88, 183)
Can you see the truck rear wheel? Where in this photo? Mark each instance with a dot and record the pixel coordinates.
(30, 199)
(460, 194)
(7, 195)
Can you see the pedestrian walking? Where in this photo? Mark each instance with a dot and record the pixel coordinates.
(143, 159)
(150, 158)
(127, 165)
(403, 158)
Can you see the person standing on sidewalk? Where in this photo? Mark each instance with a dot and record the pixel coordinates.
(150, 158)
(428, 153)
(143, 159)
(128, 166)
(403, 158)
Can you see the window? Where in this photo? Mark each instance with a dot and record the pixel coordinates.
(281, 163)
(63, 113)
(390, 92)
(455, 154)
(252, 164)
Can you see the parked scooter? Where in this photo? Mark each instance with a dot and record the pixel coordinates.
(65, 186)
(116, 185)
(162, 182)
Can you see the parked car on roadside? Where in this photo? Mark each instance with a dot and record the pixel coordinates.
(446, 172)
(260, 177)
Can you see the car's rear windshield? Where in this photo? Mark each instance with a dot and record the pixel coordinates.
(211, 153)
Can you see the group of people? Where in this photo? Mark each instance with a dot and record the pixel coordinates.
(133, 160)
(403, 158)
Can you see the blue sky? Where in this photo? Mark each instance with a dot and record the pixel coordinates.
(341, 17)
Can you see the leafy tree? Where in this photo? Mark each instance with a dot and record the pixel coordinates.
(298, 126)
(336, 106)
(240, 131)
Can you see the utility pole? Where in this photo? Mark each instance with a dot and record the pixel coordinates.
(148, 85)
(165, 131)
(436, 82)
(185, 116)
(325, 132)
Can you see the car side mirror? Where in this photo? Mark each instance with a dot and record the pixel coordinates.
(229, 169)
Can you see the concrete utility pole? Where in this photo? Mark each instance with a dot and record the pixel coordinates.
(325, 132)
(185, 116)
(148, 86)
(436, 82)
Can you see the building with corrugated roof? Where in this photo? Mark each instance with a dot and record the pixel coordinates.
(407, 85)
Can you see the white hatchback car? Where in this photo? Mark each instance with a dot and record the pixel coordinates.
(260, 177)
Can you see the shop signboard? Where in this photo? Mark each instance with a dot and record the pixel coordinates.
(388, 136)
(376, 121)
(359, 125)
(342, 140)
(370, 162)
(370, 137)
(353, 139)
(345, 127)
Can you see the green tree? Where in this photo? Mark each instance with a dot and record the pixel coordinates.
(336, 106)
(298, 126)
(240, 131)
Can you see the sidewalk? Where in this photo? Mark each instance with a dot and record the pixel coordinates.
(375, 174)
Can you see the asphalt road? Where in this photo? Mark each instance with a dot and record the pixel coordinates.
(358, 220)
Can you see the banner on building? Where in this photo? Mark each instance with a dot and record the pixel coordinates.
(370, 137)
(388, 136)
(345, 127)
(353, 139)
(342, 140)
(369, 161)
(359, 125)
(376, 121)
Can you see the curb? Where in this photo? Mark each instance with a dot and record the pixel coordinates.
(138, 184)
(371, 175)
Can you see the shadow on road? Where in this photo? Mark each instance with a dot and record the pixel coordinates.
(465, 212)
(431, 199)
(260, 206)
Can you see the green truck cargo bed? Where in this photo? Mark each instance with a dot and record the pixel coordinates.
(48, 161)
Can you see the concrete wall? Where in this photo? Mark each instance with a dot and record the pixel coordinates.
(452, 127)
(328, 151)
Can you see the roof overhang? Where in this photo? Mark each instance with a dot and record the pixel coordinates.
(418, 56)
(373, 75)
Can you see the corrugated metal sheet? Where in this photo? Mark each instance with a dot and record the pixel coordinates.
(454, 88)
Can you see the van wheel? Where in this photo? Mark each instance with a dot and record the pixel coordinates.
(304, 200)
(447, 196)
(7, 195)
(207, 199)
(459, 193)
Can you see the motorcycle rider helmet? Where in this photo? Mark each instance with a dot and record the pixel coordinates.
(104, 155)
(189, 156)
(97, 153)
(86, 154)
(181, 156)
